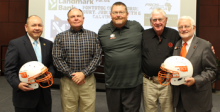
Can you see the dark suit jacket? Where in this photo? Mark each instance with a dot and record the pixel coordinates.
(19, 52)
(198, 97)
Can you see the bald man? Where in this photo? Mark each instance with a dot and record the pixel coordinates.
(20, 51)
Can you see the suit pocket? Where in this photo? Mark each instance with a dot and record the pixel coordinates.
(204, 87)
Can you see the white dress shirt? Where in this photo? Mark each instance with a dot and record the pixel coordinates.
(32, 42)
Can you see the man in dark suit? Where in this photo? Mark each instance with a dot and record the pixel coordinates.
(195, 95)
(20, 51)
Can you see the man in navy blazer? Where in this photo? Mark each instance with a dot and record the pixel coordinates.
(195, 95)
(20, 51)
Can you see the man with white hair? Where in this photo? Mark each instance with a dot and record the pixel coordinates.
(195, 95)
(157, 44)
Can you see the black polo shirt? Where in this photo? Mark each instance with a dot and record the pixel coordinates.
(154, 52)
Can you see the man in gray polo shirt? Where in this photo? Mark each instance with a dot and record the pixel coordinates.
(121, 43)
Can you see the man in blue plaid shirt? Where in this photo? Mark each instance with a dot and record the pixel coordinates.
(76, 54)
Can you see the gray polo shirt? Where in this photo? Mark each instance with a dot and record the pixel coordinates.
(122, 49)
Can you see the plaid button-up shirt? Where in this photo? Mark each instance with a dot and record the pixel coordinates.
(76, 52)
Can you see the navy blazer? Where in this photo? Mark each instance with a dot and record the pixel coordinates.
(20, 51)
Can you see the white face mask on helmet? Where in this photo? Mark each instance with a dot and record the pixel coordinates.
(175, 70)
(33, 73)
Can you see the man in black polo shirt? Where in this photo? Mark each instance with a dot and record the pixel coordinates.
(121, 42)
(157, 44)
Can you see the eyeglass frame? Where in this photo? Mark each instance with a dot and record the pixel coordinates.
(120, 13)
(186, 27)
(157, 19)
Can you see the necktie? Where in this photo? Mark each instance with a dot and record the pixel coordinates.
(183, 50)
(37, 52)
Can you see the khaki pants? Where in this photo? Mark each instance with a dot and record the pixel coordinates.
(153, 93)
(74, 96)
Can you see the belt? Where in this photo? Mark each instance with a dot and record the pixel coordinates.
(150, 78)
(154, 79)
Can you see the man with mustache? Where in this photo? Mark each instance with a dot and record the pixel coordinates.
(121, 43)
(195, 95)
(157, 44)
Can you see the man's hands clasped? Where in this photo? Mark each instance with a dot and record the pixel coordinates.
(78, 78)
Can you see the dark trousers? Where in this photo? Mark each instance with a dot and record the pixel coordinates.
(41, 107)
(180, 108)
(124, 100)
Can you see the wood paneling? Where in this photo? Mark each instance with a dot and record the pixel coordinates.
(209, 2)
(3, 11)
(17, 11)
(17, 0)
(217, 85)
(211, 34)
(11, 31)
(219, 15)
(208, 16)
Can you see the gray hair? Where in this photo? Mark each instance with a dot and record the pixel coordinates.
(158, 10)
(187, 17)
(72, 9)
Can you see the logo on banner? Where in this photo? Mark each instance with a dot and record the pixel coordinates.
(167, 6)
(52, 4)
(58, 26)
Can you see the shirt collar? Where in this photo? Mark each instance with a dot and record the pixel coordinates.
(74, 31)
(189, 41)
(163, 35)
(113, 28)
(31, 39)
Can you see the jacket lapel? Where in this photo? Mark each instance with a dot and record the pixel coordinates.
(29, 47)
(192, 47)
(178, 48)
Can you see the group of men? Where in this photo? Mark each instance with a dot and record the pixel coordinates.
(133, 57)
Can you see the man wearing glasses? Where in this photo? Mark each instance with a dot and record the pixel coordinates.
(195, 95)
(158, 44)
(121, 42)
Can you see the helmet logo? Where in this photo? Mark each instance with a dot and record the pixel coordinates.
(182, 68)
(23, 74)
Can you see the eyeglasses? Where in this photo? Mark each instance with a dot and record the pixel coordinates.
(159, 19)
(186, 27)
(120, 13)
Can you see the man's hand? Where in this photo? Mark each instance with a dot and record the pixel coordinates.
(24, 87)
(189, 81)
(82, 82)
(213, 50)
(79, 78)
